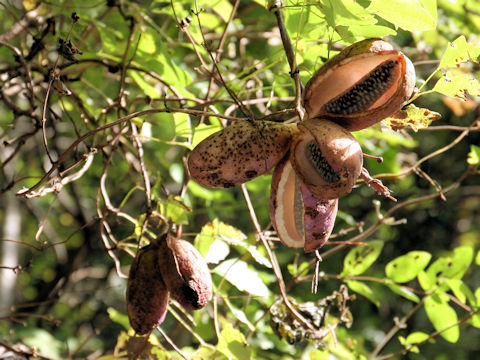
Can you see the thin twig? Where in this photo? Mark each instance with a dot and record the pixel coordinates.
(287, 45)
(82, 138)
(276, 266)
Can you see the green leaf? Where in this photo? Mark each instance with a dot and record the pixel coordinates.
(447, 267)
(242, 277)
(406, 267)
(360, 258)
(442, 316)
(477, 258)
(174, 208)
(363, 289)
(353, 32)
(183, 126)
(410, 15)
(216, 231)
(222, 7)
(346, 12)
(318, 354)
(118, 317)
(143, 84)
(426, 282)
(147, 42)
(239, 314)
(461, 260)
(457, 85)
(45, 343)
(232, 343)
(403, 291)
(203, 131)
(412, 339)
(297, 269)
(217, 251)
(461, 290)
(256, 255)
(417, 337)
(458, 52)
(110, 37)
(415, 117)
(476, 317)
(474, 159)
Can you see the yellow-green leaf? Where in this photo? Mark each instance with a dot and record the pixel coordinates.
(457, 85)
(363, 289)
(474, 159)
(405, 268)
(415, 117)
(360, 258)
(411, 15)
(458, 52)
(442, 316)
(232, 343)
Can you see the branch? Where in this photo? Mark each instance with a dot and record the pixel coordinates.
(287, 45)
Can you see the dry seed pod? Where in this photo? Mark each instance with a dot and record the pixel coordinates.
(363, 84)
(185, 273)
(239, 153)
(300, 219)
(147, 295)
(326, 158)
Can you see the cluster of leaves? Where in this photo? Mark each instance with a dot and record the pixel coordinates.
(98, 111)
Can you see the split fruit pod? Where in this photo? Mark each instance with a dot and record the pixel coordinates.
(298, 216)
(240, 152)
(147, 294)
(185, 272)
(363, 84)
(327, 158)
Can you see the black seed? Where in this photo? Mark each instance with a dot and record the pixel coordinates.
(365, 92)
(314, 154)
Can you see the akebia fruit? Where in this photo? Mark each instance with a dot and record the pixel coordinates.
(147, 294)
(185, 273)
(239, 153)
(363, 84)
(168, 266)
(326, 158)
(299, 217)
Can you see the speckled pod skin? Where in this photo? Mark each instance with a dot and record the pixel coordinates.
(185, 273)
(363, 84)
(239, 153)
(331, 169)
(319, 219)
(298, 216)
(147, 295)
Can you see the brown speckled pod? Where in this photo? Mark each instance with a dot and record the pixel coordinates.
(185, 273)
(300, 219)
(319, 218)
(363, 84)
(239, 153)
(326, 158)
(147, 295)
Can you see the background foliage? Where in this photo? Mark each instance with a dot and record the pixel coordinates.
(98, 111)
